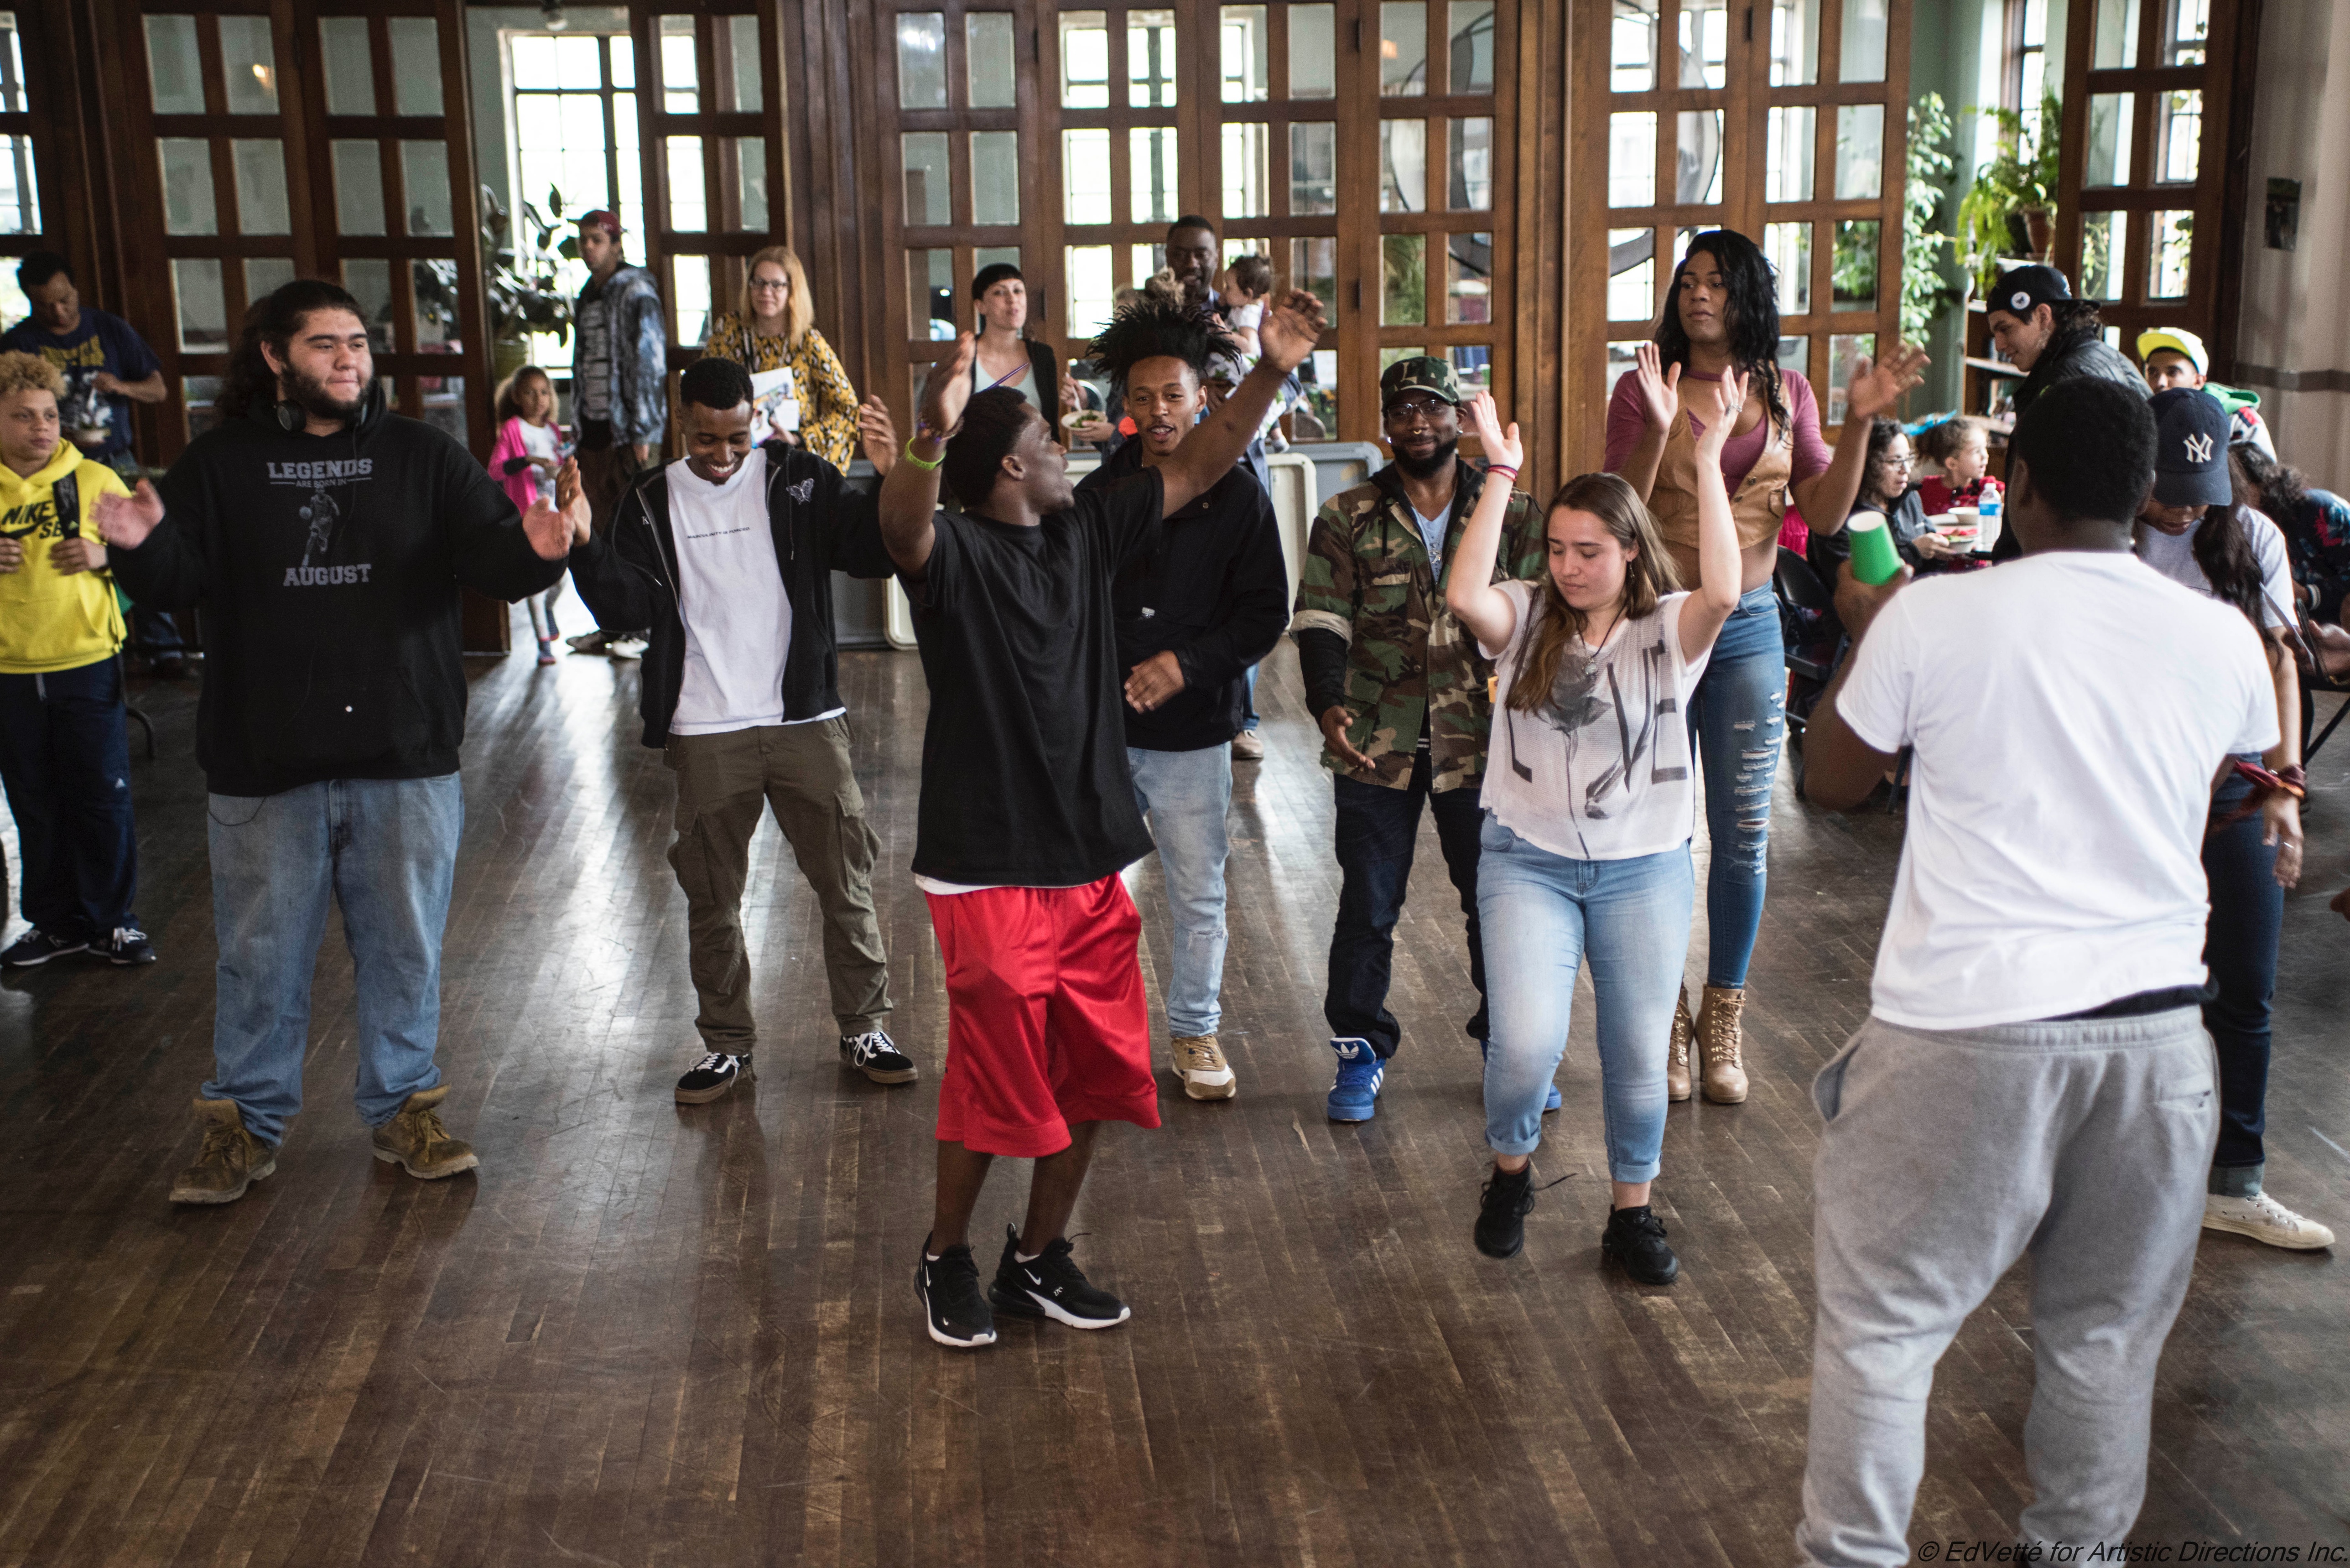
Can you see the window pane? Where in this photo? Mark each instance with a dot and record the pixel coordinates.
(1314, 267)
(2116, 36)
(1795, 355)
(1705, 43)
(741, 84)
(2186, 30)
(249, 64)
(20, 198)
(1403, 47)
(1247, 170)
(1246, 47)
(1152, 148)
(751, 184)
(1697, 163)
(1852, 275)
(921, 60)
(1468, 278)
(1469, 164)
(680, 73)
(424, 165)
(928, 195)
(189, 206)
(349, 62)
(1472, 45)
(1149, 59)
(692, 297)
(1403, 165)
(623, 62)
(2178, 136)
(1632, 158)
(1844, 348)
(1085, 176)
(994, 177)
(368, 278)
(433, 285)
(1862, 58)
(1794, 42)
(1861, 151)
(986, 256)
(1091, 292)
(1788, 247)
(930, 294)
(1403, 292)
(1146, 261)
(203, 311)
(2105, 244)
(1787, 170)
(2109, 138)
(987, 52)
(2174, 240)
(1631, 274)
(1313, 168)
(261, 207)
(1312, 55)
(1472, 367)
(1621, 356)
(689, 201)
(172, 63)
(1388, 356)
(1632, 47)
(266, 274)
(1084, 59)
(416, 65)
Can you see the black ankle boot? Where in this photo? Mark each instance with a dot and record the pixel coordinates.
(1636, 1238)
(1502, 1217)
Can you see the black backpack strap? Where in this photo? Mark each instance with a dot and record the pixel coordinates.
(64, 495)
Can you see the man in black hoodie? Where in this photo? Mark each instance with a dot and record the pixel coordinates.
(728, 555)
(326, 538)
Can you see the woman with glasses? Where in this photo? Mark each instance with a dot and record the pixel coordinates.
(776, 330)
(1885, 490)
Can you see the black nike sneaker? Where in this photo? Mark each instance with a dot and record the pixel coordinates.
(1052, 1286)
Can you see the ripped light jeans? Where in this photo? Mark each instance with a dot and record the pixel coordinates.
(1738, 718)
(1186, 796)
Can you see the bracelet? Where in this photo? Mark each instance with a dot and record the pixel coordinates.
(1493, 468)
(2294, 774)
(921, 463)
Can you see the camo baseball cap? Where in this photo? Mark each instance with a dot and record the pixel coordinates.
(1421, 373)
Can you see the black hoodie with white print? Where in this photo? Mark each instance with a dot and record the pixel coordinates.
(328, 569)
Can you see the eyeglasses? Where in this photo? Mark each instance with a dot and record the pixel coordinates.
(771, 286)
(1416, 410)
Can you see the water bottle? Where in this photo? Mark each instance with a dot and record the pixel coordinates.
(1989, 520)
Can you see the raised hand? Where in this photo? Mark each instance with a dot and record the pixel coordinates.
(1876, 386)
(76, 555)
(877, 434)
(1290, 330)
(571, 500)
(1501, 446)
(1660, 389)
(125, 520)
(948, 391)
(1733, 395)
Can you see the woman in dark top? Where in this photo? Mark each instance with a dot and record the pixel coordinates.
(1885, 488)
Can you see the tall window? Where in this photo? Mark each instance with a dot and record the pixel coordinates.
(20, 192)
(574, 133)
(2027, 60)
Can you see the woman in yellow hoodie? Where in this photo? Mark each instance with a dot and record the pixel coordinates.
(62, 753)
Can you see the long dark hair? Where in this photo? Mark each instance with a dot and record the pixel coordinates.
(2267, 485)
(2223, 548)
(1752, 318)
(1648, 577)
(274, 319)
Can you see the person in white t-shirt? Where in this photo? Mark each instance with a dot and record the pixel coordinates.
(1589, 805)
(2033, 1079)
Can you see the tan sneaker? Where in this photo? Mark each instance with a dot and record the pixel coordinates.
(2263, 1219)
(231, 1160)
(1723, 1072)
(1199, 1062)
(1676, 1054)
(415, 1140)
(1248, 746)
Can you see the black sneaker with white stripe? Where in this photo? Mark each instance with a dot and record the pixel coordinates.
(1052, 1286)
(712, 1077)
(954, 1310)
(38, 947)
(876, 1055)
(129, 945)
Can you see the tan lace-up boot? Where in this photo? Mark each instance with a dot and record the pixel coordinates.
(1723, 1072)
(415, 1140)
(231, 1160)
(1676, 1054)
(1199, 1062)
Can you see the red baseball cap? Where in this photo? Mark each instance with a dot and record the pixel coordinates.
(602, 220)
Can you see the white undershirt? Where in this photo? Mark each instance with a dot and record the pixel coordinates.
(731, 596)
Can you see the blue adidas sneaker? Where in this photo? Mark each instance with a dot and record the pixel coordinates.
(1355, 1093)
(1551, 1102)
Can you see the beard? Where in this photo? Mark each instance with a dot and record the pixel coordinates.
(317, 401)
(1432, 465)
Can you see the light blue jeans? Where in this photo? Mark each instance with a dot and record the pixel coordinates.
(1738, 715)
(1185, 794)
(385, 851)
(1543, 915)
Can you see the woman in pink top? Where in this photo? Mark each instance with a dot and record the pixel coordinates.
(1721, 318)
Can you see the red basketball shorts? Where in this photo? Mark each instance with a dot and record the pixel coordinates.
(1046, 1022)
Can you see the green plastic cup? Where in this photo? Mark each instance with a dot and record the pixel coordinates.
(1874, 558)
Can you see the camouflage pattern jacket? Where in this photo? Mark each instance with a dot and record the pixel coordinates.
(1366, 578)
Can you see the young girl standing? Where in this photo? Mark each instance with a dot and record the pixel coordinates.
(530, 449)
(1589, 805)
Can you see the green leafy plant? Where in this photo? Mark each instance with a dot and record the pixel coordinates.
(2020, 178)
(1926, 293)
(521, 275)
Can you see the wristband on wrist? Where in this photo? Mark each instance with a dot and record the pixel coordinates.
(922, 463)
(1493, 468)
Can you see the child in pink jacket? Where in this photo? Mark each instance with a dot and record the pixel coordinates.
(530, 449)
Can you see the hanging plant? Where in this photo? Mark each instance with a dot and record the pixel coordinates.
(1926, 294)
(2016, 189)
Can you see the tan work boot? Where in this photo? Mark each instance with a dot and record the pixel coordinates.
(1676, 1054)
(415, 1140)
(1199, 1062)
(1723, 1070)
(231, 1160)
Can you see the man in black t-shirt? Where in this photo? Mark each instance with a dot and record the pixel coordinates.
(1027, 813)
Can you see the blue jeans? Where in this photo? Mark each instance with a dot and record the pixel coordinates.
(385, 851)
(1249, 720)
(1543, 915)
(2240, 945)
(66, 762)
(1738, 717)
(1377, 830)
(1185, 795)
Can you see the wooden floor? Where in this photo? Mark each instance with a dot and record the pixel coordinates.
(649, 1334)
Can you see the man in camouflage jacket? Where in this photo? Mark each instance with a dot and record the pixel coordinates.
(1400, 691)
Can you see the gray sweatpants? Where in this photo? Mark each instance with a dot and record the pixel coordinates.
(1949, 1155)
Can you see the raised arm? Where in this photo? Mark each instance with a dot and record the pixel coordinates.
(910, 493)
(1826, 499)
(1291, 327)
(1718, 568)
(1660, 404)
(1468, 590)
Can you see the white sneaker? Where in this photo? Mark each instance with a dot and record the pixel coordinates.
(2263, 1219)
(626, 647)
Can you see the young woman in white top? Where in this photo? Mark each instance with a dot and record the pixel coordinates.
(1589, 805)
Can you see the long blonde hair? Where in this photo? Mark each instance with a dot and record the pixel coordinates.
(799, 310)
(1649, 575)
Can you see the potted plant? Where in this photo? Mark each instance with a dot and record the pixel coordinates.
(1925, 294)
(2009, 209)
(522, 284)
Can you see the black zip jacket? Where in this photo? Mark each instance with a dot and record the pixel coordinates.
(821, 526)
(2085, 353)
(328, 569)
(1214, 592)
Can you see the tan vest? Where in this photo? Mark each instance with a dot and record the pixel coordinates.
(1756, 505)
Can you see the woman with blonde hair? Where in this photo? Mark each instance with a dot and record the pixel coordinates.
(774, 330)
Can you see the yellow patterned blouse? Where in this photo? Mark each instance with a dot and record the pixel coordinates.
(827, 402)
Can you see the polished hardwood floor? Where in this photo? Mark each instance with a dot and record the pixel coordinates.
(649, 1333)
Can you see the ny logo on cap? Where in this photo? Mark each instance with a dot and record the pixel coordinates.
(2018, 299)
(2199, 449)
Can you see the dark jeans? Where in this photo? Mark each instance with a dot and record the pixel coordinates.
(67, 764)
(153, 633)
(1377, 830)
(2240, 945)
